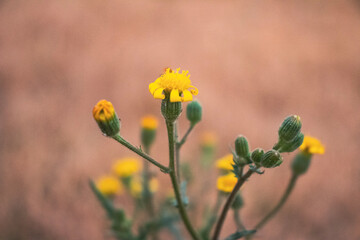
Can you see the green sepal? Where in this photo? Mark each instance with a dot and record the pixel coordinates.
(170, 110)
(148, 137)
(301, 163)
(293, 144)
(290, 128)
(271, 159)
(194, 112)
(242, 147)
(110, 127)
(238, 235)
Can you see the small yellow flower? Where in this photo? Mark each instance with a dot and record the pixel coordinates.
(208, 139)
(149, 122)
(103, 111)
(312, 145)
(136, 186)
(126, 167)
(175, 84)
(227, 182)
(109, 186)
(225, 162)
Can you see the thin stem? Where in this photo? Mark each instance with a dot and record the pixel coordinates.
(140, 153)
(182, 211)
(177, 153)
(283, 199)
(148, 197)
(183, 140)
(237, 219)
(228, 203)
(212, 219)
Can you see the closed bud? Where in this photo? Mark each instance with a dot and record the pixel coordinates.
(301, 163)
(170, 110)
(290, 128)
(238, 202)
(148, 130)
(271, 159)
(242, 147)
(256, 155)
(106, 118)
(194, 112)
(293, 144)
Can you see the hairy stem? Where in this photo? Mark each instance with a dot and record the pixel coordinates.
(174, 181)
(140, 153)
(228, 203)
(283, 199)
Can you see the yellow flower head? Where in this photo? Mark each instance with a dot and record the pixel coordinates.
(225, 162)
(208, 139)
(103, 111)
(126, 167)
(227, 182)
(312, 145)
(175, 84)
(109, 186)
(136, 186)
(149, 122)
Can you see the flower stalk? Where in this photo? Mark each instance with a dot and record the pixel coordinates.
(182, 211)
(281, 203)
(229, 202)
(138, 151)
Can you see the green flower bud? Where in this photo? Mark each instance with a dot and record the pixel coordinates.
(293, 144)
(238, 202)
(242, 147)
(106, 118)
(301, 163)
(194, 112)
(256, 155)
(290, 128)
(170, 110)
(271, 159)
(148, 130)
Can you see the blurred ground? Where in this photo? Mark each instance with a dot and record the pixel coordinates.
(254, 63)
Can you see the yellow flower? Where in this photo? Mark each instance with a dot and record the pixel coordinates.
(312, 145)
(208, 139)
(227, 182)
(136, 186)
(175, 84)
(103, 111)
(109, 185)
(225, 162)
(126, 167)
(149, 122)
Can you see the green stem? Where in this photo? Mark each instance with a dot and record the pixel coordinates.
(237, 219)
(212, 219)
(148, 197)
(228, 203)
(183, 140)
(177, 153)
(283, 199)
(182, 211)
(140, 153)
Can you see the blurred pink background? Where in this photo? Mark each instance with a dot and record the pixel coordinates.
(254, 63)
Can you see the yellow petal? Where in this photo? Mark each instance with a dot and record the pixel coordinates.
(194, 90)
(159, 93)
(152, 87)
(174, 96)
(187, 96)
